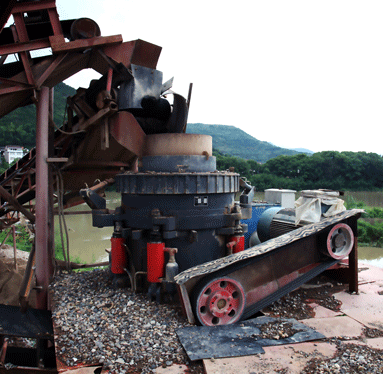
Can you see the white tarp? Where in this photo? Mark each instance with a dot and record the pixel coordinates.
(309, 206)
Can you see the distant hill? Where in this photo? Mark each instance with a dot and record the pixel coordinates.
(19, 126)
(303, 150)
(233, 141)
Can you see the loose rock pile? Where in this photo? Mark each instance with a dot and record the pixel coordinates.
(350, 358)
(124, 331)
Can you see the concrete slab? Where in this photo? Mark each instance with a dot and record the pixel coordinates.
(335, 326)
(376, 343)
(173, 369)
(357, 311)
(292, 358)
(364, 308)
(322, 312)
(370, 279)
(370, 273)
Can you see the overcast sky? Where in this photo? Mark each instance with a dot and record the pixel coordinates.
(305, 74)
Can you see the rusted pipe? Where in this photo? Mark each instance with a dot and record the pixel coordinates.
(101, 185)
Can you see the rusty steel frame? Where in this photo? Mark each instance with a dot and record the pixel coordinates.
(29, 178)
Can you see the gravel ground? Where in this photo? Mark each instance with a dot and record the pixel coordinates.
(295, 304)
(124, 331)
(350, 358)
(130, 334)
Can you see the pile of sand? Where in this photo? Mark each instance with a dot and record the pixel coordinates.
(11, 278)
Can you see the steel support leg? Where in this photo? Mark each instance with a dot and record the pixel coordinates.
(44, 267)
(353, 266)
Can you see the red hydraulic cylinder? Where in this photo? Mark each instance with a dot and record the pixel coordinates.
(238, 243)
(155, 261)
(119, 257)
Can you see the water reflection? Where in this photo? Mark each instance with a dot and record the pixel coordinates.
(371, 255)
(88, 243)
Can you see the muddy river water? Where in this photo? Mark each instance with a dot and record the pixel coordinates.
(88, 243)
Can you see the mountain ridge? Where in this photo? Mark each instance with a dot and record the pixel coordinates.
(236, 142)
(19, 128)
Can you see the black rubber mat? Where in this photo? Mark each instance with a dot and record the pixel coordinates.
(240, 339)
(35, 323)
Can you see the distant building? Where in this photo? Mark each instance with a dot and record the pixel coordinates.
(12, 152)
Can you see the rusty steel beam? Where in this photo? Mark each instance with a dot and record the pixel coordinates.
(24, 46)
(5, 11)
(33, 6)
(55, 21)
(73, 265)
(16, 83)
(14, 89)
(43, 77)
(59, 45)
(13, 201)
(21, 35)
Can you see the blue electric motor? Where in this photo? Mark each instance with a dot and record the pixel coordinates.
(258, 210)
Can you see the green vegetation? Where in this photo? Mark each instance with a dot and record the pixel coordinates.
(351, 171)
(24, 241)
(370, 225)
(331, 170)
(19, 126)
(4, 166)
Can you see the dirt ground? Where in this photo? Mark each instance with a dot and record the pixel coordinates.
(11, 278)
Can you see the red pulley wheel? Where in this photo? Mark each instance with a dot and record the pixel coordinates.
(340, 241)
(220, 302)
